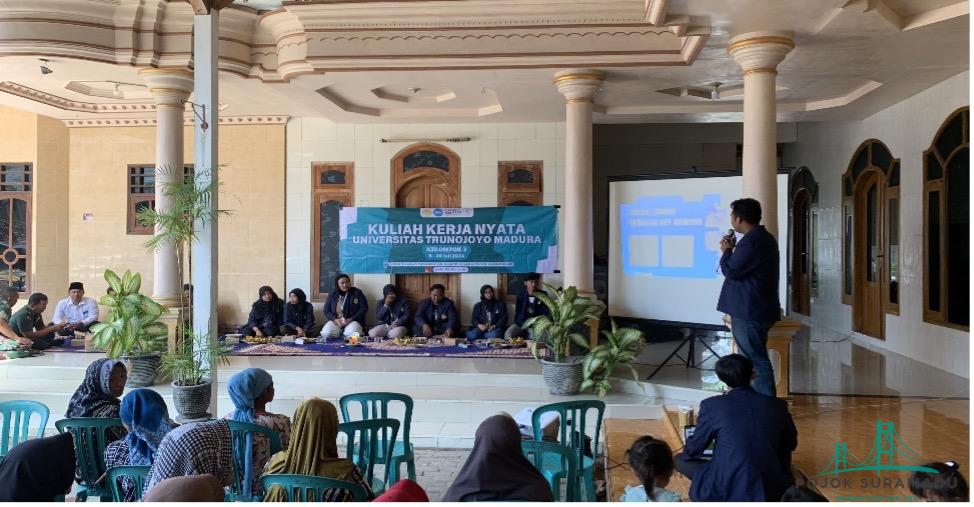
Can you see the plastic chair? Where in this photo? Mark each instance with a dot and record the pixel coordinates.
(572, 424)
(365, 440)
(376, 406)
(244, 475)
(89, 448)
(16, 422)
(136, 473)
(539, 453)
(310, 488)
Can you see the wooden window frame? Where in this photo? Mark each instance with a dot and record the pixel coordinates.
(508, 193)
(25, 195)
(132, 225)
(320, 193)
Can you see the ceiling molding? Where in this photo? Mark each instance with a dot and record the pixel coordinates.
(417, 109)
(908, 22)
(151, 122)
(74, 105)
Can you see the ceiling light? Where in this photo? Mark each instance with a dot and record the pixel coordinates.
(44, 68)
(117, 93)
(715, 91)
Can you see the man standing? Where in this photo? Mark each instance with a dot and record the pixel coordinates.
(750, 291)
(29, 323)
(76, 312)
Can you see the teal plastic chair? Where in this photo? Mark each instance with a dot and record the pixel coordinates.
(16, 422)
(370, 443)
(310, 488)
(376, 406)
(89, 447)
(572, 429)
(135, 473)
(539, 453)
(244, 474)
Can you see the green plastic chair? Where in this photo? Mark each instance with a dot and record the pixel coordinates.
(310, 488)
(572, 425)
(376, 406)
(16, 422)
(370, 443)
(89, 448)
(135, 473)
(244, 474)
(540, 453)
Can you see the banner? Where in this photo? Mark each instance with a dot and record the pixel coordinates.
(516, 239)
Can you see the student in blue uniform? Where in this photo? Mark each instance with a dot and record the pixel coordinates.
(436, 315)
(489, 318)
(345, 309)
(391, 315)
(527, 306)
(299, 315)
(266, 315)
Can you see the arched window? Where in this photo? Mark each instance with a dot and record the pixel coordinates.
(803, 274)
(946, 224)
(332, 188)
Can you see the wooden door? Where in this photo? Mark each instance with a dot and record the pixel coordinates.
(801, 279)
(868, 309)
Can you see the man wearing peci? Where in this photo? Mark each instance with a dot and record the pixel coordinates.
(750, 291)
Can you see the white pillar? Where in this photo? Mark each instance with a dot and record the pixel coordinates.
(170, 88)
(579, 87)
(758, 54)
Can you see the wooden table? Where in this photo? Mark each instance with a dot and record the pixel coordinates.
(619, 435)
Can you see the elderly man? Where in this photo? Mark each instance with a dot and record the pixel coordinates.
(76, 312)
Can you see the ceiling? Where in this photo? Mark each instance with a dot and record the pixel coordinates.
(480, 60)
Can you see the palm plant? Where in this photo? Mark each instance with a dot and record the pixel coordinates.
(189, 362)
(133, 328)
(622, 346)
(568, 312)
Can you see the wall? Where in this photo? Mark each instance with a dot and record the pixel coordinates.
(907, 129)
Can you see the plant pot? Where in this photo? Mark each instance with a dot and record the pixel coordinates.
(192, 402)
(563, 379)
(142, 370)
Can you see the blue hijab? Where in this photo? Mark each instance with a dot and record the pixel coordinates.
(245, 387)
(145, 412)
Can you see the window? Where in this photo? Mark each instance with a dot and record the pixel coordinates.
(946, 223)
(142, 194)
(332, 190)
(518, 184)
(16, 184)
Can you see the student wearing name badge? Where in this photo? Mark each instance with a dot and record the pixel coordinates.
(345, 309)
(391, 315)
(436, 316)
(489, 319)
(527, 305)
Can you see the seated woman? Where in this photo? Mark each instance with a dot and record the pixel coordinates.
(97, 396)
(345, 309)
(189, 488)
(652, 460)
(437, 315)
(299, 315)
(266, 315)
(38, 470)
(489, 318)
(146, 417)
(391, 315)
(194, 449)
(404, 491)
(314, 451)
(250, 391)
(496, 469)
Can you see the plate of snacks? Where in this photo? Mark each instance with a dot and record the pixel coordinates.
(258, 340)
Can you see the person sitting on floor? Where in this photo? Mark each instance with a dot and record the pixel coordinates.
(299, 315)
(144, 414)
(8, 337)
(489, 319)
(526, 306)
(266, 315)
(652, 461)
(76, 312)
(436, 315)
(345, 310)
(38, 470)
(250, 391)
(947, 484)
(754, 437)
(28, 322)
(391, 315)
(98, 394)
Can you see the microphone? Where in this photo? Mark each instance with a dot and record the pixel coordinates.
(730, 232)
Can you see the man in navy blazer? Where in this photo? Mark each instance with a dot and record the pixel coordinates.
(436, 315)
(750, 291)
(753, 437)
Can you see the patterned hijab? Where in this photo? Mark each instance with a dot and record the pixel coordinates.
(194, 449)
(94, 397)
(145, 412)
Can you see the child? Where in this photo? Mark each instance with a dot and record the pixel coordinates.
(652, 461)
(947, 485)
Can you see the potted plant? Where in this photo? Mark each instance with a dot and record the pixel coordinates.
(621, 347)
(569, 312)
(189, 364)
(133, 332)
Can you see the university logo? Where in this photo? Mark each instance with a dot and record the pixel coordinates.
(889, 452)
(438, 212)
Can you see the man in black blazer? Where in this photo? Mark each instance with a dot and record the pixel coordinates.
(753, 437)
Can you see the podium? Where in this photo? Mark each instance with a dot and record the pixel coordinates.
(779, 350)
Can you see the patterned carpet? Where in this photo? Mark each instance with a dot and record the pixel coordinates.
(385, 348)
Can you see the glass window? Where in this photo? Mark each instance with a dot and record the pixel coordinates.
(958, 239)
(933, 251)
(894, 251)
(848, 250)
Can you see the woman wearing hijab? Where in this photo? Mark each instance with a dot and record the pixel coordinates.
(189, 488)
(299, 315)
(404, 491)
(313, 451)
(38, 470)
(266, 314)
(391, 315)
(345, 309)
(489, 316)
(146, 417)
(97, 396)
(194, 449)
(250, 391)
(496, 469)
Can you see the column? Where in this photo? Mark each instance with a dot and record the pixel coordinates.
(579, 87)
(170, 89)
(758, 54)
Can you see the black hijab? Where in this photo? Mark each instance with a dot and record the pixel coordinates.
(496, 469)
(275, 305)
(302, 297)
(38, 470)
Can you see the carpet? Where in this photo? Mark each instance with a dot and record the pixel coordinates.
(384, 348)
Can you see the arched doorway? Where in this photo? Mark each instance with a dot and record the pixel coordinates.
(426, 175)
(803, 194)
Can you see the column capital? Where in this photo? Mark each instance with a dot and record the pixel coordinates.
(760, 51)
(579, 85)
(169, 87)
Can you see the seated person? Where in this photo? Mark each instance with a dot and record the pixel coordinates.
(754, 436)
(76, 312)
(144, 414)
(391, 315)
(266, 315)
(8, 337)
(250, 391)
(345, 310)
(652, 461)
(946, 485)
(29, 323)
(436, 315)
(299, 315)
(489, 319)
(527, 306)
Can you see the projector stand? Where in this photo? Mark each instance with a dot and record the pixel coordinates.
(690, 339)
